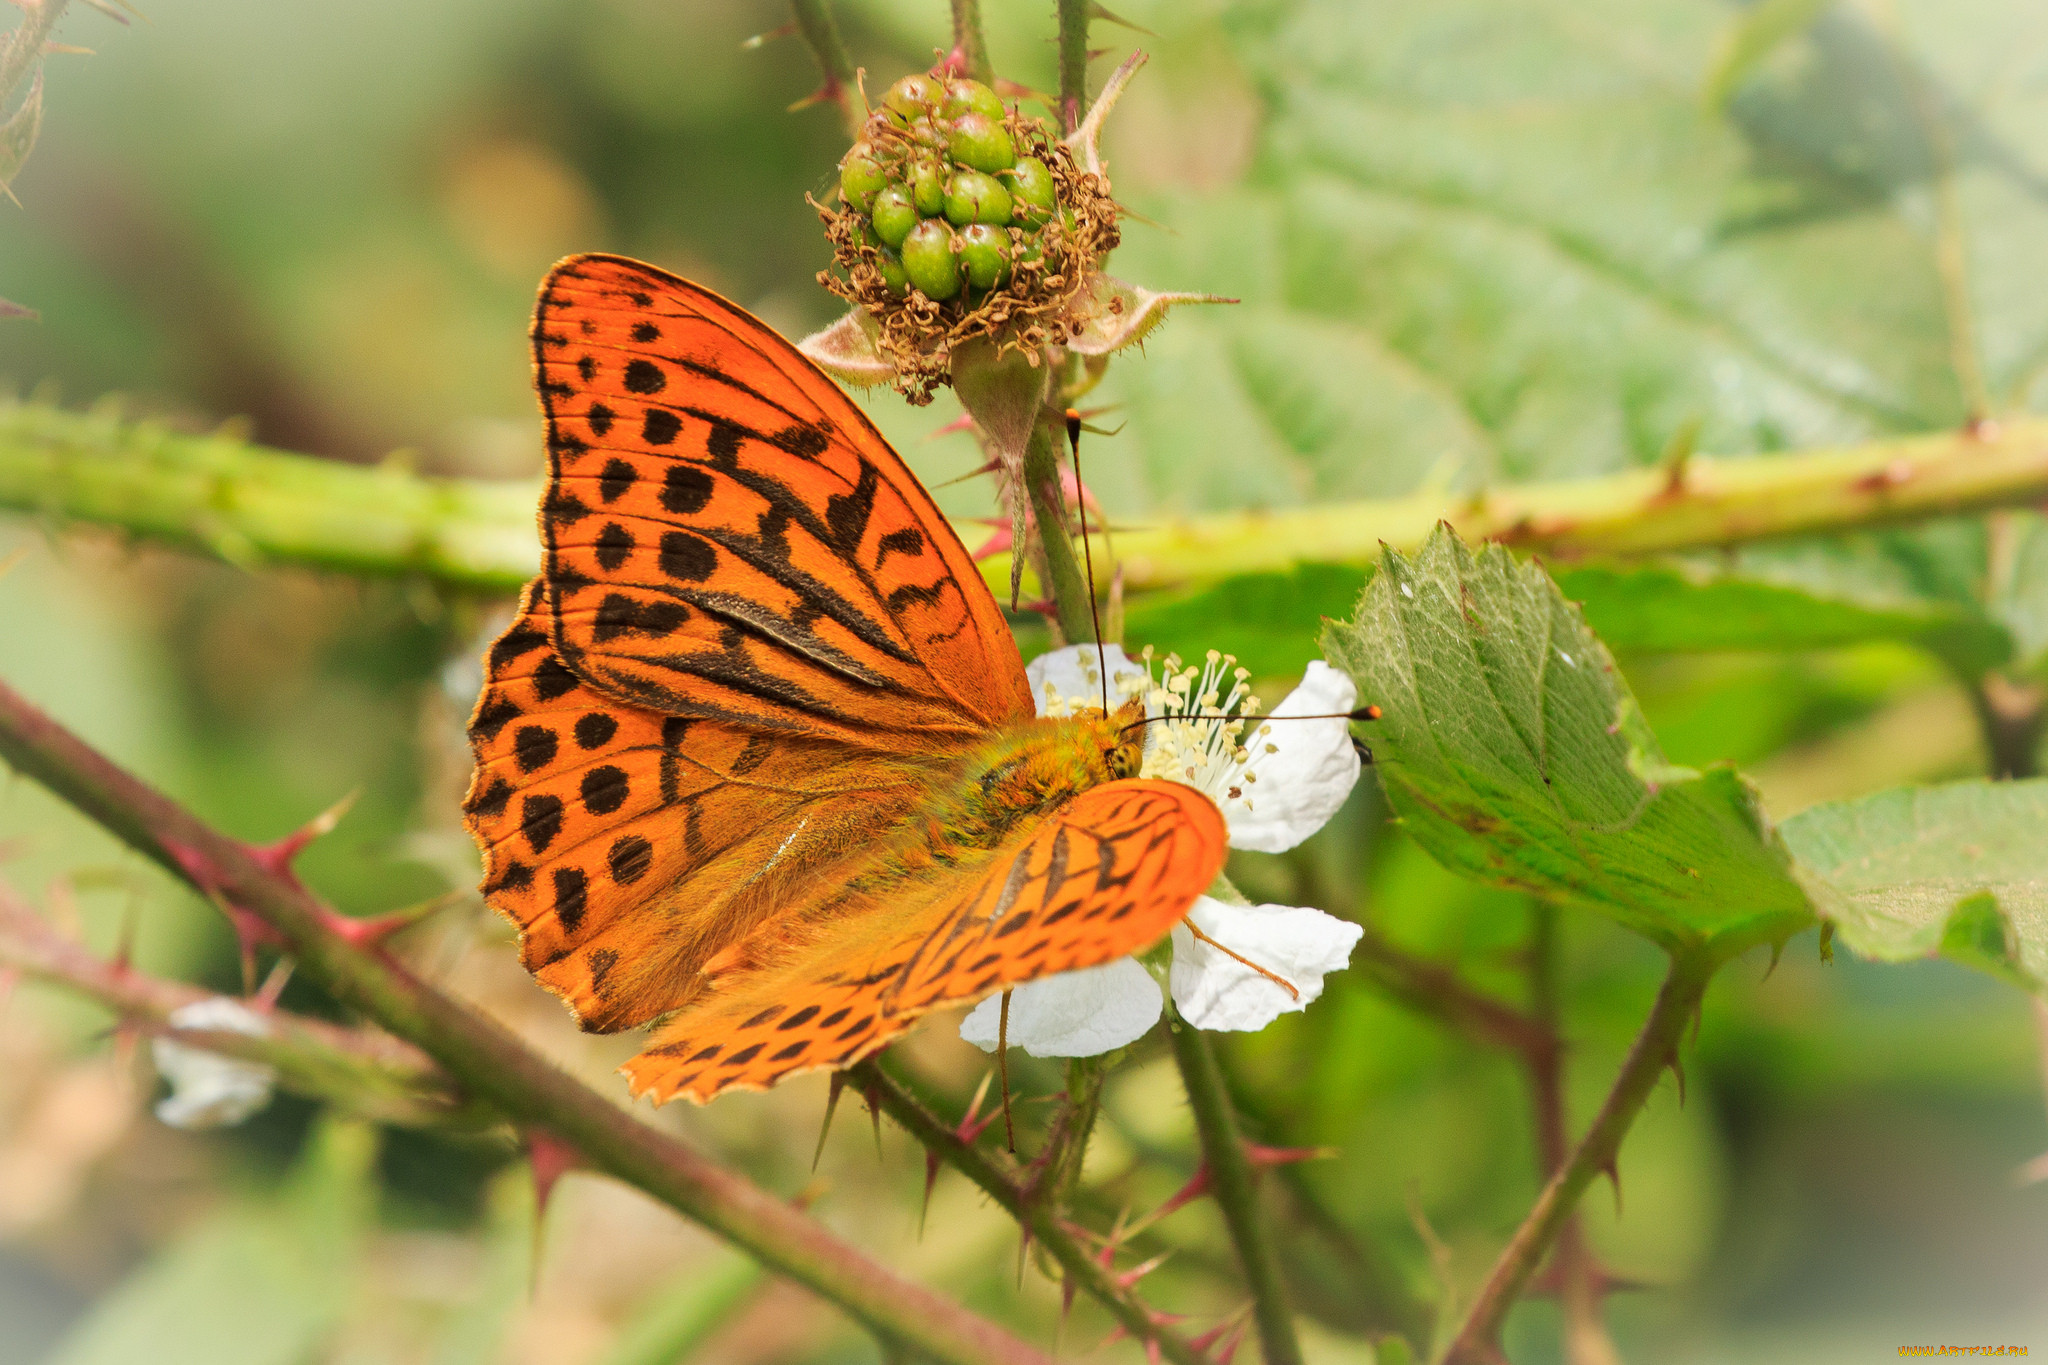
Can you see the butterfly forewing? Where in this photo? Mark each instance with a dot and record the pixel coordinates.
(727, 536)
(1106, 875)
(630, 847)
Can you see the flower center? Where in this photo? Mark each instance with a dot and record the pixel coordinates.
(1195, 731)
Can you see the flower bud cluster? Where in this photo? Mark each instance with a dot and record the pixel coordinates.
(961, 218)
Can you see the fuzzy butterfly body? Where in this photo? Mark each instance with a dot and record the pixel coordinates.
(757, 760)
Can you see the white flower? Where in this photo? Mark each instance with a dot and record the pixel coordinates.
(207, 1089)
(1247, 964)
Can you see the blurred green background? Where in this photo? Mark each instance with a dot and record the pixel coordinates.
(1474, 241)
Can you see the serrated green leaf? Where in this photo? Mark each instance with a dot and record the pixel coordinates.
(1512, 751)
(1960, 870)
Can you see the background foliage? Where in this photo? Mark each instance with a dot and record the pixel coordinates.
(1475, 242)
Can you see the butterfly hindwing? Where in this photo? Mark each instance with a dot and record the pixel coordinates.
(727, 536)
(630, 847)
(1105, 875)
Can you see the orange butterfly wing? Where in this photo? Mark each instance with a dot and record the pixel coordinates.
(629, 847)
(707, 744)
(728, 537)
(1105, 875)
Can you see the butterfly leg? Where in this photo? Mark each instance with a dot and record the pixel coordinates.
(1282, 982)
(1003, 1066)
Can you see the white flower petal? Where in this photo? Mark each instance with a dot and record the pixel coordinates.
(207, 1089)
(1296, 788)
(1075, 672)
(1073, 1014)
(1212, 990)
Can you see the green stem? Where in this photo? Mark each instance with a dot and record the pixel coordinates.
(1376, 1289)
(249, 505)
(1230, 1180)
(1007, 1186)
(1074, 15)
(970, 42)
(493, 1064)
(1586, 1340)
(1656, 1047)
(821, 33)
(1073, 603)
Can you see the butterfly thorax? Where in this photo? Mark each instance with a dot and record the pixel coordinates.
(1026, 770)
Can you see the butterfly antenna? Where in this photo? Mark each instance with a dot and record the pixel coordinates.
(1003, 1067)
(1361, 713)
(1087, 560)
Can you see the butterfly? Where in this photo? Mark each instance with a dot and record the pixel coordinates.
(757, 760)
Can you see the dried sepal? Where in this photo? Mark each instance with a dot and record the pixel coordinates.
(849, 350)
(1119, 314)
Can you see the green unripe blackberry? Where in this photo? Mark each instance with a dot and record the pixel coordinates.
(929, 262)
(1032, 187)
(972, 197)
(861, 177)
(971, 97)
(927, 181)
(980, 143)
(893, 273)
(893, 215)
(985, 255)
(913, 96)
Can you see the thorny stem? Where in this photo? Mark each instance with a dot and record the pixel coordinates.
(1075, 1125)
(1656, 1047)
(248, 504)
(1586, 1340)
(835, 66)
(374, 1075)
(1375, 1285)
(1074, 16)
(1024, 1202)
(1069, 587)
(970, 42)
(1230, 1177)
(493, 1064)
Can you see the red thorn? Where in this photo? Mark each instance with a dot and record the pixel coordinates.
(1068, 1286)
(998, 543)
(249, 930)
(1152, 1351)
(1136, 1273)
(1612, 1171)
(552, 1159)
(1678, 1070)
(10, 977)
(831, 1108)
(1281, 1156)
(964, 423)
(371, 932)
(873, 1095)
(265, 1000)
(1229, 1333)
(276, 858)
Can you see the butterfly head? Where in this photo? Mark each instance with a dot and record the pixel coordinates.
(1123, 740)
